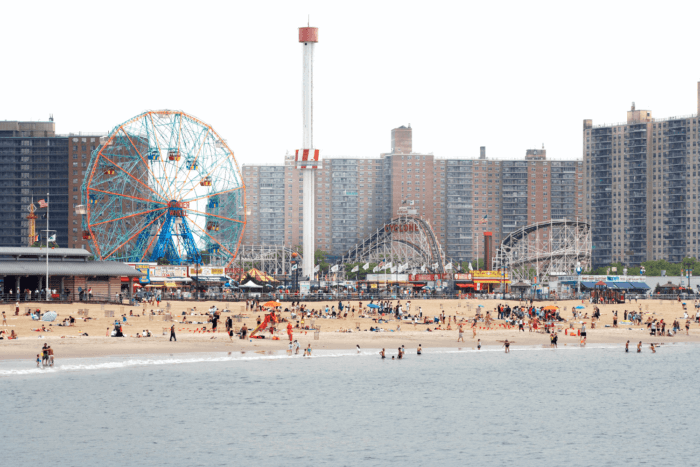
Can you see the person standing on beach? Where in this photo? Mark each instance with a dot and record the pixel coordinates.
(172, 333)
(687, 326)
(38, 361)
(639, 347)
(50, 352)
(4, 319)
(308, 351)
(461, 334)
(17, 308)
(627, 347)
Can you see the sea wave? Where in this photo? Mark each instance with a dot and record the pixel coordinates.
(18, 368)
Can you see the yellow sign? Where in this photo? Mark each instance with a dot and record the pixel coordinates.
(489, 275)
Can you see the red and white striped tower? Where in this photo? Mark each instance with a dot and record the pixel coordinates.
(307, 156)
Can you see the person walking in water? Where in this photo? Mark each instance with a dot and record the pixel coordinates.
(506, 344)
(639, 347)
(172, 333)
(420, 349)
(382, 353)
(461, 334)
(627, 347)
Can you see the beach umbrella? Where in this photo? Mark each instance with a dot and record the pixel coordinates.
(580, 307)
(272, 304)
(480, 306)
(49, 316)
(373, 305)
(551, 308)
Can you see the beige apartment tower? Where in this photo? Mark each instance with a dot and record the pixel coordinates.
(641, 181)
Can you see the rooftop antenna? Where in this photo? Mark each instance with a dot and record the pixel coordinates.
(308, 20)
(51, 117)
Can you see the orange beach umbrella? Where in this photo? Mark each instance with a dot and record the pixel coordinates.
(272, 304)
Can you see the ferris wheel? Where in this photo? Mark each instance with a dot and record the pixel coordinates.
(164, 185)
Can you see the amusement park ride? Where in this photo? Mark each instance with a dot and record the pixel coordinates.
(163, 185)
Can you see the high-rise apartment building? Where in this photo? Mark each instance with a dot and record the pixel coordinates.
(642, 188)
(80, 148)
(33, 162)
(460, 198)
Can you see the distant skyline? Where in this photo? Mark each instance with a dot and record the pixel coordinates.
(509, 76)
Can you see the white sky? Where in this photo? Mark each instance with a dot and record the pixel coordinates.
(506, 75)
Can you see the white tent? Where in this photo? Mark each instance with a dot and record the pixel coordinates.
(251, 285)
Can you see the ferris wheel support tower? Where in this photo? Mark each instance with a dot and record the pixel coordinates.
(307, 159)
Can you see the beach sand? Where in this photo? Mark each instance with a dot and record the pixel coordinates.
(67, 343)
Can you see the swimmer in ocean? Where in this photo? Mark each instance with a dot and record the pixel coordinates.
(478, 344)
(420, 350)
(382, 354)
(627, 346)
(506, 344)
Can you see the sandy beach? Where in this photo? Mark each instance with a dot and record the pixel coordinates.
(68, 342)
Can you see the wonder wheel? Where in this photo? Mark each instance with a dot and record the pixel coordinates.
(164, 185)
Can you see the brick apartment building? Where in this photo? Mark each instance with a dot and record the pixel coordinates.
(356, 196)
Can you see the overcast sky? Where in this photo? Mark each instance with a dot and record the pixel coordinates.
(506, 75)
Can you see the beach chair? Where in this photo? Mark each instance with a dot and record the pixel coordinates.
(109, 313)
(167, 317)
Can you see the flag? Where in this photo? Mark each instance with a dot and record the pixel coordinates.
(435, 266)
(484, 219)
(334, 268)
(392, 270)
(316, 268)
(43, 204)
(459, 267)
(366, 266)
(52, 238)
(405, 266)
(448, 267)
(470, 266)
(400, 268)
(355, 269)
(388, 265)
(422, 268)
(380, 265)
(374, 269)
(294, 267)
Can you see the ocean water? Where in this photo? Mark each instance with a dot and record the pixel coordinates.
(535, 406)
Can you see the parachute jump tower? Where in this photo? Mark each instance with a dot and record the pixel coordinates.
(307, 159)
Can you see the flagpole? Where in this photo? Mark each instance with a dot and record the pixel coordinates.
(47, 246)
